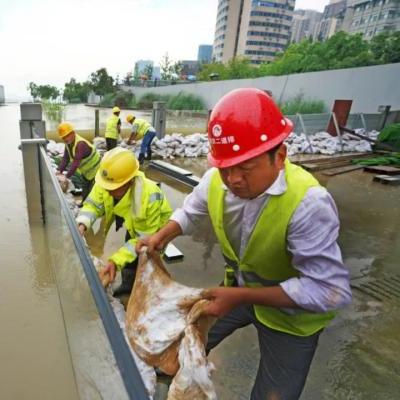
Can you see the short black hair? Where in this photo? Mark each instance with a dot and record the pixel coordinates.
(272, 152)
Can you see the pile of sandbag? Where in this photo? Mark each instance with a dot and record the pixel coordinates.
(324, 143)
(178, 145)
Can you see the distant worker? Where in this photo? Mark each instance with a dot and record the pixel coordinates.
(277, 229)
(82, 155)
(123, 194)
(113, 129)
(141, 129)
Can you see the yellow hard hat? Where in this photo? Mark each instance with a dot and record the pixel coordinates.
(116, 109)
(130, 118)
(117, 167)
(65, 129)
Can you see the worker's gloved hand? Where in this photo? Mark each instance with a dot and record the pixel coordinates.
(81, 229)
(153, 243)
(110, 269)
(222, 300)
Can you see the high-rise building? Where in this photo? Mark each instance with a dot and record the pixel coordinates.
(332, 19)
(305, 24)
(371, 17)
(204, 54)
(257, 30)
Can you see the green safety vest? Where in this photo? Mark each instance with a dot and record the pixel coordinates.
(266, 260)
(143, 208)
(142, 127)
(112, 127)
(88, 165)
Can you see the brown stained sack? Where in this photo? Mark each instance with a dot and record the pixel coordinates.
(193, 380)
(157, 315)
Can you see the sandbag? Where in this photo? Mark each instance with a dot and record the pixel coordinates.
(166, 328)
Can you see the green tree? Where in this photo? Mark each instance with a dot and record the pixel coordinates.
(148, 71)
(33, 90)
(166, 67)
(43, 92)
(176, 68)
(100, 82)
(76, 92)
(385, 47)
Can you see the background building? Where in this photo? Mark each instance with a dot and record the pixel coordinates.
(306, 24)
(204, 54)
(190, 67)
(254, 29)
(2, 96)
(371, 17)
(332, 19)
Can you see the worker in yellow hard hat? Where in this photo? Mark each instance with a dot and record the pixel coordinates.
(123, 194)
(141, 129)
(81, 155)
(113, 128)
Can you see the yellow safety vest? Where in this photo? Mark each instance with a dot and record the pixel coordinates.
(112, 127)
(266, 260)
(142, 127)
(143, 208)
(88, 165)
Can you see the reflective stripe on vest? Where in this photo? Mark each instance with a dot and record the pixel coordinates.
(142, 127)
(112, 127)
(88, 165)
(266, 260)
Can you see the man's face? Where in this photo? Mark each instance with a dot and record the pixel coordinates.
(69, 139)
(120, 192)
(250, 178)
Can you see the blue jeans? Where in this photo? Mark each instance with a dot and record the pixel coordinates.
(146, 142)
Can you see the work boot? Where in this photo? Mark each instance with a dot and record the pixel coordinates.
(128, 278)
(141, 158)
(148, 157)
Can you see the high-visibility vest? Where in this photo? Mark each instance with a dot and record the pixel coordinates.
(142, 127)
(144, 209)
(88, 165)
(266, 260)
(112, 127)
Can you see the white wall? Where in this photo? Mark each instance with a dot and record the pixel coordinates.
(368, 87)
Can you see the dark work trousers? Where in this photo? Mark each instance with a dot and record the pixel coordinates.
(86, 187)
(111, 143)
(284, 359)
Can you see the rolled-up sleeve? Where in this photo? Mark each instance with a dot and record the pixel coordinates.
(324, 281)
(195, 206)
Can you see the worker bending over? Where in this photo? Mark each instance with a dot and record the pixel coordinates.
(113, 129)
(277, 228)
(141, 129)
(82, 156)
(123, 194)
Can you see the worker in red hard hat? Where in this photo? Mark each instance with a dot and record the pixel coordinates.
(277, 228)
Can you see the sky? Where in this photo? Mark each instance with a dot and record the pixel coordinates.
(51, 41)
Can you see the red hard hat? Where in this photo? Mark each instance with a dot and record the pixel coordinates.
(244, 124)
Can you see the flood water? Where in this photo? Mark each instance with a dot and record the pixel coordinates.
(358, 355)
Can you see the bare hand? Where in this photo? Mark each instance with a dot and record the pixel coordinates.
(81, 229)
(222, 300)
(153, 243)
(110, 270)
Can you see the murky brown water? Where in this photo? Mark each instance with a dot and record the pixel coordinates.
(358, 355)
